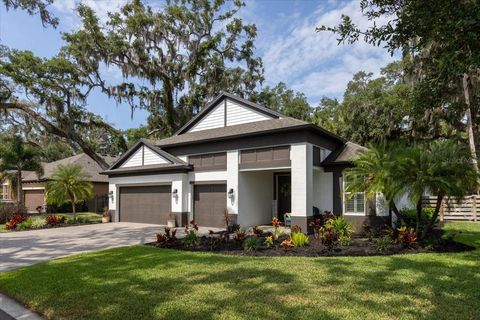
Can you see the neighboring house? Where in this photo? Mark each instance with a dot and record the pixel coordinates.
(34, 187)
(238, 156)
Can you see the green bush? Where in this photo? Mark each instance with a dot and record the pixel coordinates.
(38, 223)
(409, 217)
(383, 244)
(191, 239)
(340, 226)
(25, 224)
(251, 244)
(299, 239)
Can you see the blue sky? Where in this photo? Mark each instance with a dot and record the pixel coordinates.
(291, 50)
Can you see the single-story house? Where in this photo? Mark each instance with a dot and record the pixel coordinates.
(33, 186)
(238, 157)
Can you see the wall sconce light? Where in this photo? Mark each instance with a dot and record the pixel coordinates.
(110, 194)
(175, 193)
(230, 194)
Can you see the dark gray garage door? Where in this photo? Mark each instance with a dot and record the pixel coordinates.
(149, 204)
(210, 201)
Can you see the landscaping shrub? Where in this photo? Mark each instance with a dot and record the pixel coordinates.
(38, 223)
(257, 231)
(168, 237)
(269, 241)
(14, 221)
(409, 217)
(251, 244)
(25, 224)
(191, 239)
(8, 210)
(287, 244)
(328, 237)
(240, 235)
(53, 220)
(345, 240)
(299, 239)
(383, 244)
(340, 226)
(406, 236)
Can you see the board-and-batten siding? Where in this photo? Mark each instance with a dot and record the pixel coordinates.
(143, 156)
(236, 114)
(215, 119)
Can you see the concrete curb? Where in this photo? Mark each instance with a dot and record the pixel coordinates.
(12, 310)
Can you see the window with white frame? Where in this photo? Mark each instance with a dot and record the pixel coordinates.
(353, 204)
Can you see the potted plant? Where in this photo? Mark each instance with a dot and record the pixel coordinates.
(171, 220)
(106, 217)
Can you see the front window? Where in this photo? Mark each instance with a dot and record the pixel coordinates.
(353, 203)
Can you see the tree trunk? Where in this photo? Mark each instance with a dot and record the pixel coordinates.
(19, 188)
(468, 115)
(395, 210)
(169, 107)
(74, 212)
(434, 217)
(419, 218)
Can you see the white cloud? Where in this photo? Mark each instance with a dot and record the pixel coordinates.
(70, 18)
(312, 62)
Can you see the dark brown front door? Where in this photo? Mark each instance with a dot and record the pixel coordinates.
(33, 199)
(149, 204)
(210, 201)
(284, 194)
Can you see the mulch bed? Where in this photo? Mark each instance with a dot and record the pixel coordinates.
(359, 247)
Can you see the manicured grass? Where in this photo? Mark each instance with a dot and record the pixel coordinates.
(142, 282)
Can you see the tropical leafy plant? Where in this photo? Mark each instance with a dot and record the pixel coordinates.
(287, 244)
(443, 167)
(406, 236)
(14, 221)
(69, 184)
(191, 239)
(299, 239)
(269, 241)
(382, 244)
(251, 244)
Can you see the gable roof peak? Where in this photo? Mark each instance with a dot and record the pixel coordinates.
(222, 96)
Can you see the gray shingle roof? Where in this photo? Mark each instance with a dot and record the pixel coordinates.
(344, 155)
(89, 166)
(252, 128)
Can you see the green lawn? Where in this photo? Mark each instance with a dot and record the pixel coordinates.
(147, 283)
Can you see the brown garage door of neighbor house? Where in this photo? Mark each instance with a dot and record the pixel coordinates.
(33, 199)
(210, 201)
(148, 204)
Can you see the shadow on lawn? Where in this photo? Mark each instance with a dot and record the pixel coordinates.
(148, 283)
(138, 285)
(423, 286)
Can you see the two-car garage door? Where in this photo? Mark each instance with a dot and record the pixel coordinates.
(146, 204)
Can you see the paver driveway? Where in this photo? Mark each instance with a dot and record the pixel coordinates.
(18, 249)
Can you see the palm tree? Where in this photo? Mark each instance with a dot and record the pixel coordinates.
(17, 156)
(69, 184)
(372, 174)
(442, 167)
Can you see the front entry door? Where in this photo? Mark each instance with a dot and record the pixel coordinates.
(284, 194)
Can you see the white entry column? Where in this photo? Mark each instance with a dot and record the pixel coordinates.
(301, 156)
